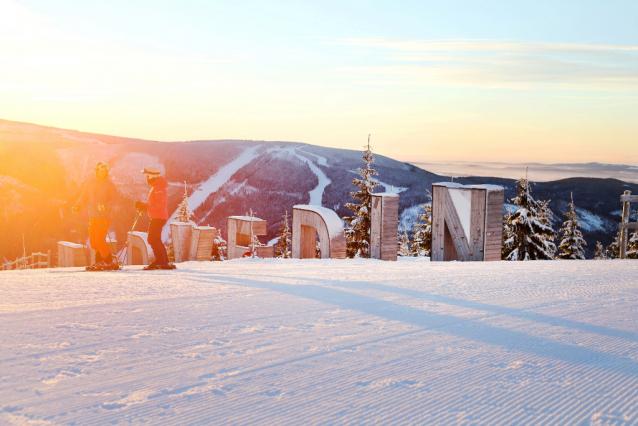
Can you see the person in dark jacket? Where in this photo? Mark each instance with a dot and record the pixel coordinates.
(158, 213)
(100, 195)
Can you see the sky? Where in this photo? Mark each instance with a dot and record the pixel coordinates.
(512, 81)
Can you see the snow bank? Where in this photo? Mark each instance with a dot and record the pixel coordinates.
(276, 342)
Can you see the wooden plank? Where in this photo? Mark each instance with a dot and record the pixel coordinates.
(477, 224)
(438, 223)
(376, 219)
(494, 225)
(308, 242)
(631, 225)
(296, 233)
(456, 229)
(629, 198)
(449, 251)
(624, 232)
(389, 228)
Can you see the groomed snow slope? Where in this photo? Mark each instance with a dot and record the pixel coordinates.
(323, 342)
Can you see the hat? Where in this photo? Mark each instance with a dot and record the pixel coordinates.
(151, 171)
(100, 165)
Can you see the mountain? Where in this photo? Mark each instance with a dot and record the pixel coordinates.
(42, 170)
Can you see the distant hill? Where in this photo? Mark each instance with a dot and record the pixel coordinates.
(42, 170)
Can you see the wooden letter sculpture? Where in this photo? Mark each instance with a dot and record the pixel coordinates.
(467, 222)
(625, 226)
(239, 236)
(71, 254)
(384, 226)
(201, 243)
(138, 251)
(310, 221)
(181, 233)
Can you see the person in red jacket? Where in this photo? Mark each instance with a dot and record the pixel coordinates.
(100, 195)
(158, 213)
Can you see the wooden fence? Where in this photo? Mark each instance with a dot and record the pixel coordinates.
(35, 261)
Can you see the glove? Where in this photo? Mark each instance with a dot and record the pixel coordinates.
(75, 209)
(140, 206)
(101, 207)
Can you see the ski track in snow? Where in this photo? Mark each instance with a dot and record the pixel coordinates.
(277, 342)
(316, 195)
(386, 186)
(322, 161)
(213, 184)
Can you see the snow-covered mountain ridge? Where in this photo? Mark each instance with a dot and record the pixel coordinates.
(225, 178)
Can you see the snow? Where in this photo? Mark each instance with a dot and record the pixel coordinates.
(276, 342)
(487, 187)
(386, 186)
(389, 188)
(332, 220)
(462, 200)
(316, 195)
(410, 216)
(592, 222)
(322, 161)
(215, 182)
(70, 244)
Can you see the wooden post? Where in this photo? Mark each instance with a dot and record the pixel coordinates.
(252, 245)
(624, 232)
(49, 259)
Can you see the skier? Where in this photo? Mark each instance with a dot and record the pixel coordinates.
(100, 194)
(158, 213)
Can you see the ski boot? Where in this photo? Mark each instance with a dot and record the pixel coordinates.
(98, 264)
(167, 267)
(150, 267)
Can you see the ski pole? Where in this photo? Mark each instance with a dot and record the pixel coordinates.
(128, 238)
(82, 240)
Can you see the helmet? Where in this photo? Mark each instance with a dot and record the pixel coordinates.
(100, 165)
(152, 171)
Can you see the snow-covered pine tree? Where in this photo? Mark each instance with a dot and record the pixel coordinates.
(613, 251)
(422, 237)
(506, 236)
(358, 234)
(529, 238)
(600, 253)
(282, 247)
(632, 246)
(573, 242)
(403, 246)
(184, 214)
(220, 247)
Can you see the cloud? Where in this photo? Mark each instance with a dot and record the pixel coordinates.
(487, 63)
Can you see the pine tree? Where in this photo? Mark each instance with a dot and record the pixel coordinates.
(506, 235)
(358, 234)
(600, 253)
(403, 246)
(422, 237)
(282, 247)
(529, 238)
(573, 242)
(632, 246)
(613, 251)
(220, 247)
(184, 214)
